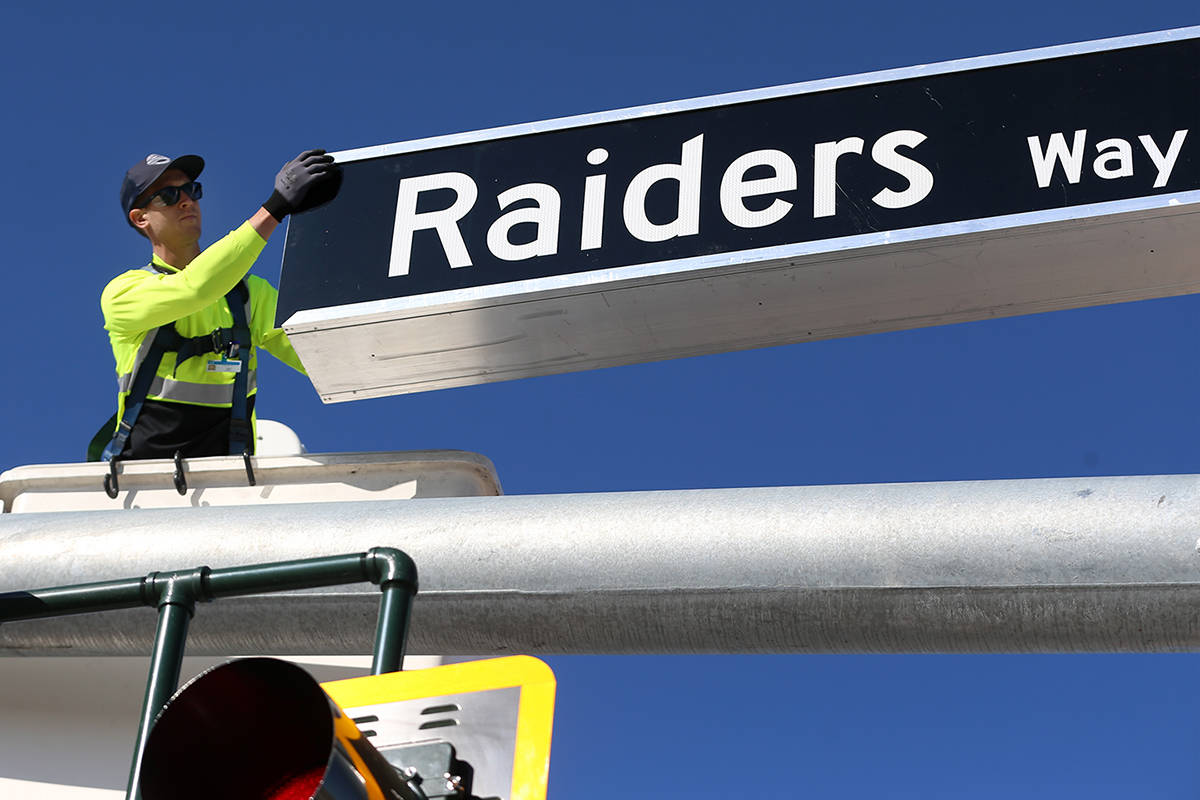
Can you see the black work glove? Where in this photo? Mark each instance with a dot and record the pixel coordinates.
(303, 184)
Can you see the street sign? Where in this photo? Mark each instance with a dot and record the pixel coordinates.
(971, 189)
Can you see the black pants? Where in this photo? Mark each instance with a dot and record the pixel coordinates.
(164, 428)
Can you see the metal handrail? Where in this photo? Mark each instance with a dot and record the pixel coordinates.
(175, 594)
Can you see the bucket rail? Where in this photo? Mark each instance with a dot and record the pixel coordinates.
(175, 594)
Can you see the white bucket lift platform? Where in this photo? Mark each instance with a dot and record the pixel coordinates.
(222, 481)
(76, 715)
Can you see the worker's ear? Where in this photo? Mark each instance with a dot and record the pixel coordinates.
(137, 216)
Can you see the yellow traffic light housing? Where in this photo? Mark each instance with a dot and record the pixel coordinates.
(492, 717)
(263, 729)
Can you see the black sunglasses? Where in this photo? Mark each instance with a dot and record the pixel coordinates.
(169, 195)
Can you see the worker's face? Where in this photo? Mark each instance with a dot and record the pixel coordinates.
(164, 223)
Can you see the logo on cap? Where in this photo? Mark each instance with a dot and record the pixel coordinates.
(154, 160)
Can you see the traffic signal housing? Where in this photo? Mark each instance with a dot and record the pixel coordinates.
(264, 729)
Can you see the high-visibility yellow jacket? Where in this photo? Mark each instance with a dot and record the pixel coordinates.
(138, 301)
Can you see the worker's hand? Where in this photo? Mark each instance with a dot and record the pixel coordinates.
(297, 181)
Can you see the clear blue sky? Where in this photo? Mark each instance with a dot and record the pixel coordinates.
(89, 88)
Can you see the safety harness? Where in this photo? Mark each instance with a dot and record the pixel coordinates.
(229, 342)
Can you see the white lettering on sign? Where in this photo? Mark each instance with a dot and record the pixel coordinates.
(540, 206)
(592, 235)
(687, 213)
(883, 153)
(825, 158)
(920, 179)
(1056, 152)
(544, 217)
(1163, 163)
(1115, 159)
(445, 222)
(735, 188)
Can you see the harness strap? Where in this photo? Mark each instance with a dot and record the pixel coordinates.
(216, 342)
(241, 440)
(229, 341)
(141, 387)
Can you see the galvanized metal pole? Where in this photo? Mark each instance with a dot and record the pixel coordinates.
(1057, 565)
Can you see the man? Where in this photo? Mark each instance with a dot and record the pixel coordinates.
(185, 329)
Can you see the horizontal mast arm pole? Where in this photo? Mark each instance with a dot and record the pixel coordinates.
(1048, 565)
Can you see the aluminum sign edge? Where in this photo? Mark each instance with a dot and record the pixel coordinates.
(415, 304)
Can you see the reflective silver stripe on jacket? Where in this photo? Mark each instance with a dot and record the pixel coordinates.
(125, 382)
(183, 391)
(188, 392)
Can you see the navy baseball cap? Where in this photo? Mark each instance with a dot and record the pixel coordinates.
(143, 174)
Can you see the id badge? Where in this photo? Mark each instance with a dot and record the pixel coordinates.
(224, 365)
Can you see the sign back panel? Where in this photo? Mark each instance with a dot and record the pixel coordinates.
(992, 186)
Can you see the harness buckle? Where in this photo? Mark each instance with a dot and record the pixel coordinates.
(228, 347)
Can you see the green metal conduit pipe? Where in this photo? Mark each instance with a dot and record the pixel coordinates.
(176, 593)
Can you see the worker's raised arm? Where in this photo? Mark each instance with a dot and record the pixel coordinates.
(263, 223)
(139, 300)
